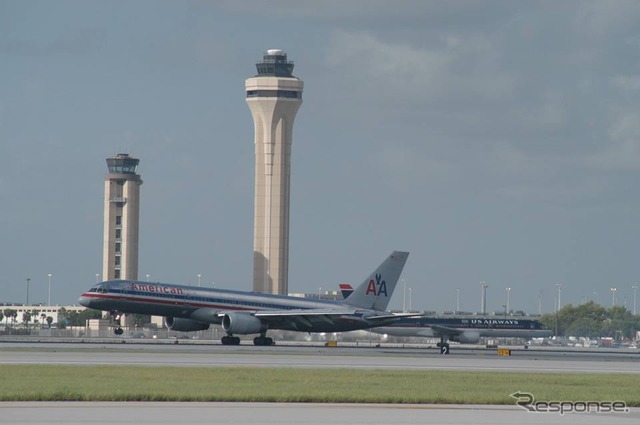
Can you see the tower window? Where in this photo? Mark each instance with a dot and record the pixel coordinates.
(116, 274)
(118, 260)
(118, 246)
(118, 220)
(118, 233)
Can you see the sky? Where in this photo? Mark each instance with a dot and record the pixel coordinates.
(496, 141)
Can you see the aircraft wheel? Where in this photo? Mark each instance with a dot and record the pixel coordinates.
(118, 331)
(235, 340)
(262, 340)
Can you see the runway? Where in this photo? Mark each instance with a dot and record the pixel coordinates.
(290, 413)
(389, 358)
(319, 357)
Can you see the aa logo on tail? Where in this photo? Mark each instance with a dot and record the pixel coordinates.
(377, 288)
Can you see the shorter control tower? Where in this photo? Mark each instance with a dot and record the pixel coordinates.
(121, 218)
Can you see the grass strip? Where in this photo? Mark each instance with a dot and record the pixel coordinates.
(131, 383)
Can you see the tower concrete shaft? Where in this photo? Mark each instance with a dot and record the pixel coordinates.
(121, 218)
(273, 96)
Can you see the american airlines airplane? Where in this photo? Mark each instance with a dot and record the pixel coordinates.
(467, 330)
(188, 308)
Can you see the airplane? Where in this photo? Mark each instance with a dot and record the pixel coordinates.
(467, 330)
(188, 308)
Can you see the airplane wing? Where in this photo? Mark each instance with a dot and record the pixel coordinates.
(306, 319)
(394, 316)
(302, 319)
(330, 313)
(444, 330)
(303, 312)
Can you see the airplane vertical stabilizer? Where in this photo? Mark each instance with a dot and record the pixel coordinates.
(376, 291)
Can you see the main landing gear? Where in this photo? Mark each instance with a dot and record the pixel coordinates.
(443, 346)
(262, 340)
(259, 340)
(230, 340)
(116, 315)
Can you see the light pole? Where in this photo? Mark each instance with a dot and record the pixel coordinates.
(457, 300)
(484, 297)
(410, 299)
(596, 298)
(404, 296)
(199, 276)
(97, 277)
(613, 296)
(28, 280)
(49, 301)
(508, 300)
(635, 289)
(148, 276)
(559, 296)
(540, 303)
(319, 290)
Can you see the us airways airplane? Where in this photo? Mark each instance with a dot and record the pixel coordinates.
(188, 308)
(467, 330)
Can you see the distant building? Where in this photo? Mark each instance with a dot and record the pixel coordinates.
(121, 218)
(47, 310)
(327, 295)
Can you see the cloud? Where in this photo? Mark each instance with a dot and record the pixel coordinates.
(621, 151)
(419, 71)
(601, 19)
(627, 83)
(68, 43)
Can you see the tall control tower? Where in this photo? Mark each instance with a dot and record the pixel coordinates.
(121, 218)
(273, 96)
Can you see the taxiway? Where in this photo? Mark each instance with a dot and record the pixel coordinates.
(619, 361)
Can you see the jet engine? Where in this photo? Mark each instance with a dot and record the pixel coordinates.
(184, 325)
(467, 337)
(242, 323)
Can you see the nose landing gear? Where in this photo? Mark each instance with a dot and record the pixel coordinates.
(116, 316)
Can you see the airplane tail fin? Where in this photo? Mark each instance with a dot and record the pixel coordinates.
(376, 291)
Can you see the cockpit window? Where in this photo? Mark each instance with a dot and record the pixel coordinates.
(99, 290)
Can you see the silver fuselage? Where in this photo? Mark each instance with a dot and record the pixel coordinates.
(168, 300)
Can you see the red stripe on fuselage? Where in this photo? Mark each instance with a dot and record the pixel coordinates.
(164, 302)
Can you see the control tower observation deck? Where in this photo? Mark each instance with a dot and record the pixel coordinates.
(121, 218)
(274, 96)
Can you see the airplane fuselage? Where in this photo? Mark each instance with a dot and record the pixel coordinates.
(484, 327)
(204, 304)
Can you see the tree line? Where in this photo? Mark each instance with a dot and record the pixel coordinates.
(592, 320)
(65, 317)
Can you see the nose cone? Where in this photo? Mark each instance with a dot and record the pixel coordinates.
(84, 301)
